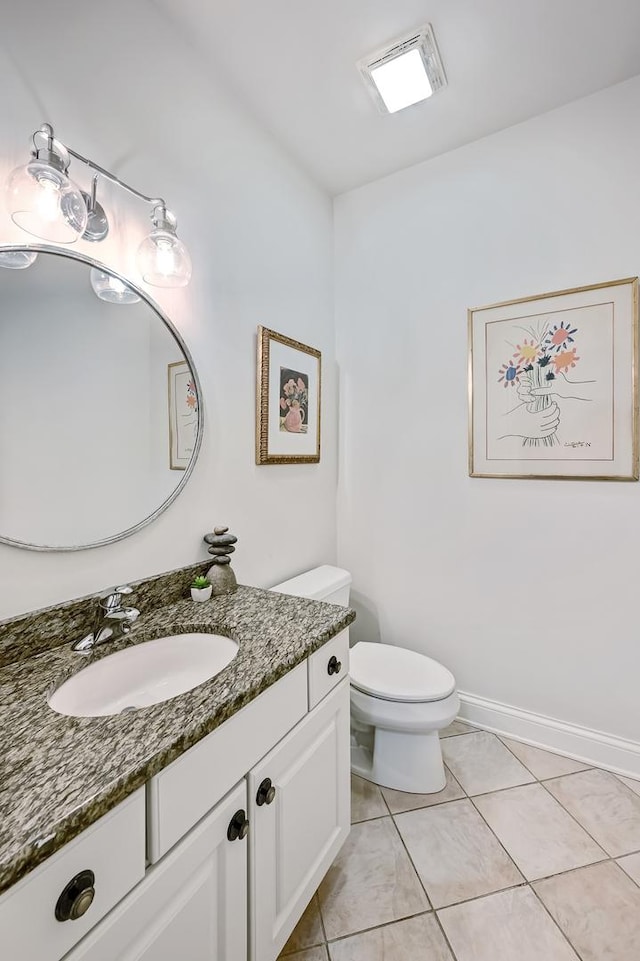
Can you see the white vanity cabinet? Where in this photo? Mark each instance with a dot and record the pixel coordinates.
(192, 906)
(299, 809)
(240, 830)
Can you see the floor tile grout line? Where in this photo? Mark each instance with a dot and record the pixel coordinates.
(493, 833)
(488, 894)
(376, 817)
(550, 793)
(588, 766)
(555, 874)
(496, 736)
(430, 909)
(607, 856)
(476, 897)
(416, 872)
(513, 754)
(543, 750)
(324, 930)
(574, 818)
(553, 921)
(500, 790)
(637, 882)
(375, 927)
(445, 936)
(525, 886)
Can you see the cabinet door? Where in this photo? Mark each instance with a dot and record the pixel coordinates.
(297, 831)
(192, 905)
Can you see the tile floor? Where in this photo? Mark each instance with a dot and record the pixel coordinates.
(524, 856)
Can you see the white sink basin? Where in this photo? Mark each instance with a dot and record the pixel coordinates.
(143, 674)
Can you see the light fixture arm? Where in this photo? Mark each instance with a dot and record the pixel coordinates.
(61, 155)
(156, 201)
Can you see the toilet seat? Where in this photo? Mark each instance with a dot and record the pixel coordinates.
(397, 674)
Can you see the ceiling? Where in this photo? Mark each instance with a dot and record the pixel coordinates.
(292, 62)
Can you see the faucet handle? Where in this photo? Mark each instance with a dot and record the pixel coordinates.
(130, 614)
(123, 618)
(112, 600)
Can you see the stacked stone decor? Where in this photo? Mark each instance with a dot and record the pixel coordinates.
(221, 575)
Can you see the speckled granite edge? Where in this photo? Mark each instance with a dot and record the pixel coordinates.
(61, 774)
(37, 631)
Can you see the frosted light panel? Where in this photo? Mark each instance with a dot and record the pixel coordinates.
(402, 81)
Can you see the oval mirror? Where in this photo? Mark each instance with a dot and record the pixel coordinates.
(100, 414)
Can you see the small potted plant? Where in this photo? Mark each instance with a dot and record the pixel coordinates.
(201, 588)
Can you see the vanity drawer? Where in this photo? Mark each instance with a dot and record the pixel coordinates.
(327, 667)
(112, 848)
(187, 789)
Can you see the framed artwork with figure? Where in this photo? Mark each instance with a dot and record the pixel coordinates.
(288, 400)
(183, 415)
(553, 387)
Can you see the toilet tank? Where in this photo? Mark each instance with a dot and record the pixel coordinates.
(326, 583)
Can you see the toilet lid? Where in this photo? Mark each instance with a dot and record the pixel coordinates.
(396, 674)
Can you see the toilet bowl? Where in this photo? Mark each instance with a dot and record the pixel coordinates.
(400, 699)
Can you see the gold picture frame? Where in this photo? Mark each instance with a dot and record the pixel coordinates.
(288, 400)
(563, 404)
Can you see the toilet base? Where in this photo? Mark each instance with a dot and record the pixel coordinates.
(397, 760)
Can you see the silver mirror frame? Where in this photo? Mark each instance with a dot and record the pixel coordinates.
(93, 262)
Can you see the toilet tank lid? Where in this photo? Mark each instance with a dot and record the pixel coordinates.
(398, 674)
(315, 584)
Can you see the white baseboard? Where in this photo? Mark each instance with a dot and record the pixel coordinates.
(571, 740)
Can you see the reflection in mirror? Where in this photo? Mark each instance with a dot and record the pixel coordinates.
(99, 414)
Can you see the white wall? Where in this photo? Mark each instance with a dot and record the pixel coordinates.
(526, 589)
(121, 86)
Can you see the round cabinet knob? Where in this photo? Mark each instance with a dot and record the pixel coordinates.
(266, 792)
(238, 827)
(334, 666)
(77, 897)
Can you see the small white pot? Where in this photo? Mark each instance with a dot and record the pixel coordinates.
(201, 594)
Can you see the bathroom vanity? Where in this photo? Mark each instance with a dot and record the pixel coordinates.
(198, 828)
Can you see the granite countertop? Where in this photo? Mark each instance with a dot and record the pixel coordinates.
(60, 774)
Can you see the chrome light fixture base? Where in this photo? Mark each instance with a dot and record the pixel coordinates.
(97, 224)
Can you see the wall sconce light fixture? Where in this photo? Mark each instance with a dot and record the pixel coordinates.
(45, 202)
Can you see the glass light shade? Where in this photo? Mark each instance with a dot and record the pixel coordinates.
(163, 260)
(110, 288)
(43, 201)
(17, 259)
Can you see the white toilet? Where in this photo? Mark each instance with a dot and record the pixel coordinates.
(400, 699)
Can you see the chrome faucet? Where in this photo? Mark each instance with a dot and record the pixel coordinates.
(113, 621)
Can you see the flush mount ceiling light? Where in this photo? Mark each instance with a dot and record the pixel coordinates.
(407, 72)
(44, 201)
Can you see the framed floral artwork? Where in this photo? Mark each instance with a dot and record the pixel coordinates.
(553, 385)
(288, 400)
(183, 415)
